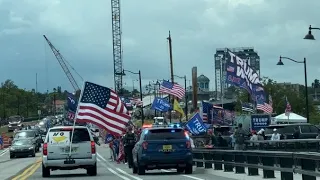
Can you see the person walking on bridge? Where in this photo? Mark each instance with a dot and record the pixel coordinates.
(239, 136)
(129, 140)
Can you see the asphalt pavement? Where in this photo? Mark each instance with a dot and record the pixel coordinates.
(11, 167)
(106, 170)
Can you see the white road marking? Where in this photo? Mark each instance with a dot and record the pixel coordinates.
(4, 152)
(101, 157)
(114, 172)
(188, 176)
(125, 173)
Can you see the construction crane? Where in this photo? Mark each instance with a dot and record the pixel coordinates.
(117, 48)
(64, 66)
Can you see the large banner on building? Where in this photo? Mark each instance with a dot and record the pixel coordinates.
(240, 74)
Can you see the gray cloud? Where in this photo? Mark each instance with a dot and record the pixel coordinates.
(82, 33)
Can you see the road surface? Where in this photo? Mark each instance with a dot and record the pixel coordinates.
(30, 168)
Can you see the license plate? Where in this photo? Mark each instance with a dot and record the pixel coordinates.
(69, 161)
(167, 147)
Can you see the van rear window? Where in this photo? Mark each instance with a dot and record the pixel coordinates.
(79, 135)
(165, 134)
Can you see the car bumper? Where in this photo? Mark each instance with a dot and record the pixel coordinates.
(22, 153)
(151, 162)
(59, 163)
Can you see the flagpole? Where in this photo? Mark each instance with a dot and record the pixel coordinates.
(75, 118)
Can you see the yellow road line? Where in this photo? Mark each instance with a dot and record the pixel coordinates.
(32, 171)
(27, 170)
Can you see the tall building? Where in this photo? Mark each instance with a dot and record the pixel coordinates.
(222, 56)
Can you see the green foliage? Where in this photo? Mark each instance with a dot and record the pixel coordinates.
(279, 92)
(16, 101)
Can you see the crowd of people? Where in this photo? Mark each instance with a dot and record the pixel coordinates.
(121, 146)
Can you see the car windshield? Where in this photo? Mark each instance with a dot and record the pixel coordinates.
(25, 134)
(22, 142)
(165, 134)
(14, 119)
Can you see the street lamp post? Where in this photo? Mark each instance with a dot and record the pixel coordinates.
(305, 80)
(54, 101)
(309, 36)
(140, 87)
(185, 96)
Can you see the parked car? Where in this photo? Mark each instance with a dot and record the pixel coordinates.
(307, 131)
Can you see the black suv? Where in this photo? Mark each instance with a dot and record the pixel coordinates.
(307, 131)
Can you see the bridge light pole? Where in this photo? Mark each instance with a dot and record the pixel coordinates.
(140, 87)
(305, 81)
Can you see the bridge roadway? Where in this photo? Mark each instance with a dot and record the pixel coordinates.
(30, 168)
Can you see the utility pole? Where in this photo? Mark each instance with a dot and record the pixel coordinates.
(171, 70)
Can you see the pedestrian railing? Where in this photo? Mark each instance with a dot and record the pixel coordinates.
(286, 145)
(288, 163)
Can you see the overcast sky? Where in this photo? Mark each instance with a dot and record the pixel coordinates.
(81, 30)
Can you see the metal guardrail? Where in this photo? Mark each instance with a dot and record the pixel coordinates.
(288, 163)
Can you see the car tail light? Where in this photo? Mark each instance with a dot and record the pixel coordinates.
(45, 149)
(93, 147)
(188, 144)
(145, 145)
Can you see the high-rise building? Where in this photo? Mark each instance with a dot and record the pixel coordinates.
(222, 56)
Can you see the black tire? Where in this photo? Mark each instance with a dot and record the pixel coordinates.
(92, 171)
(45, 171)
(188, 169)
(134, 169)
(33, 154)
(141, 170)
(180, 170)
(11, 156)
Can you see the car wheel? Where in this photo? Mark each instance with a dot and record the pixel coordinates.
(180, 170)
(92, 171)
(11, 156)
(45, 171)
(34, 153)
(141, 170)
(188, 169)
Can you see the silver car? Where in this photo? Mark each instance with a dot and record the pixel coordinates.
(57, 154)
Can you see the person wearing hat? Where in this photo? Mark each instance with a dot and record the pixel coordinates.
(129, 140)
(275, 136)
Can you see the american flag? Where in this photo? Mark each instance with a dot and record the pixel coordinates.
(230, 69)
(206, 108)
(102, 106)
(265, 106)
(288, 107)
(172, 89)
(71, 115)
(137, 102)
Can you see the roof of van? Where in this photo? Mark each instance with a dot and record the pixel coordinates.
(76, 127)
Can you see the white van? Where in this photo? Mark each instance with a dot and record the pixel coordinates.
(56, 150)
(159, 120)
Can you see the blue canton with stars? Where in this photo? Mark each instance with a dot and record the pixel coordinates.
(96, 94)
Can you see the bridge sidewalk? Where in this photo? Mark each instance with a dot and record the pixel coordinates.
(233, 175)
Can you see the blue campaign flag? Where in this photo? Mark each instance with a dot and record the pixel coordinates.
(72, 102)
(240, 74)
(161, 104)
(109, 138)
(195, 125)
(260, 121)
